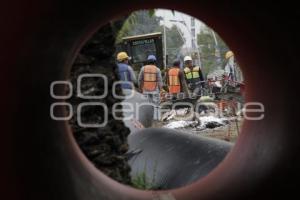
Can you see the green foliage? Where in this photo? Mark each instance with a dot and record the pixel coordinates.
(151, 12)
(139, 22)
(208, 47)
(141, 182)
(174, 41)
(144, 22)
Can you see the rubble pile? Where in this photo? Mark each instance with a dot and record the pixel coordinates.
(175, 120)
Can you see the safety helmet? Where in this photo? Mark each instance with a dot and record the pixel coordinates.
(229, 54)
(122, 56)
(151, 57)
(187, 58)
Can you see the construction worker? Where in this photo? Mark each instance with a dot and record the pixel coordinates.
(175, 80)
(150, 83)
(232, 71)
(125, 71)
(193, 76)
(229, 67)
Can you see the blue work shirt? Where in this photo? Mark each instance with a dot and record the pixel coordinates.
(126, 73)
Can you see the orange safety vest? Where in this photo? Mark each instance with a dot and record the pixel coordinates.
(150, 80)
(174, 82)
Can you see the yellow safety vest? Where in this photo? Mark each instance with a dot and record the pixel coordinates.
(194, 74)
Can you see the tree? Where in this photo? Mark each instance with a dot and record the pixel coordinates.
(145, 21)
(138, 23)
(208, 47)
(174, 42)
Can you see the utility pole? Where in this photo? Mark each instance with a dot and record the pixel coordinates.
(217, 50)
(194, 43)
(165, 44)
(193, 32)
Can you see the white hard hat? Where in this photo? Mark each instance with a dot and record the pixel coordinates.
(186, 58)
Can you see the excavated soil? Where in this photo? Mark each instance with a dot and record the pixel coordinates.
(105, 147)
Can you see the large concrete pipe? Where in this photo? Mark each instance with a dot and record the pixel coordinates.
(140, 113)
(170, 159)
(40, 158)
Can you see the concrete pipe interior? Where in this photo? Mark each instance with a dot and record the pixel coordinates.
(49, 163)
(158, 159)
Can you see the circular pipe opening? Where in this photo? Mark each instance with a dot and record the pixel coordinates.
(73, 66)
(234, 166)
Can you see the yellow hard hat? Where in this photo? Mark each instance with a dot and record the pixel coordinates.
(122, 56)
(229, 54)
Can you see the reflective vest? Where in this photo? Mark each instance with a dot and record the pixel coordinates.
(192, 76)
(150, 78)
(174, 81)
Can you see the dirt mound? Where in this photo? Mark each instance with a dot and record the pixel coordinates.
(106, 146)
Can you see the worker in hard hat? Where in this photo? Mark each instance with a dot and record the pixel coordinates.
(193, 76)
(230, 66)
(150, 83)
(125, 71)
(175, 80)
(232, 71)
